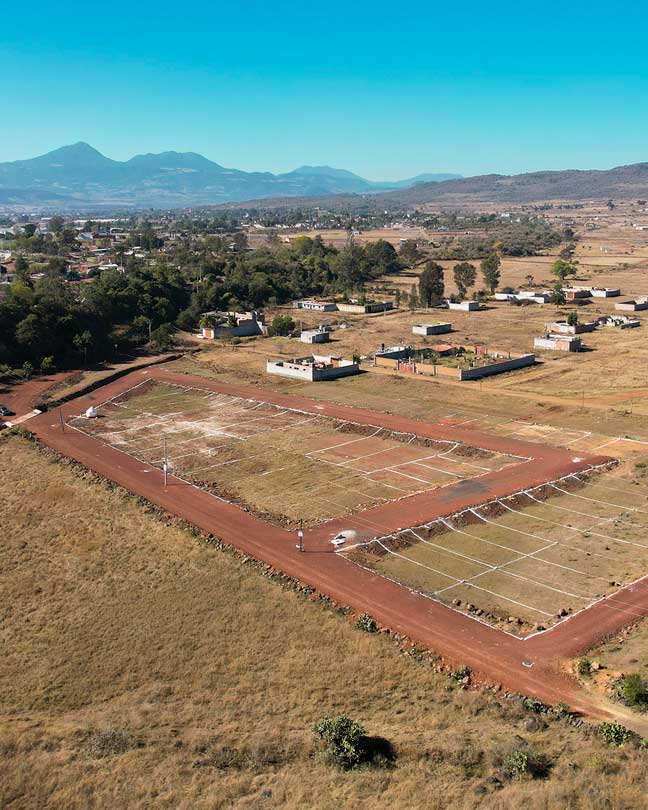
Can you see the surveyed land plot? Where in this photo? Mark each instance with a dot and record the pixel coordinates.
(281, 463)
(526, 561)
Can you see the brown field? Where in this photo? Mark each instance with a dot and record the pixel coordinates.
(143, 669)
(284, 464)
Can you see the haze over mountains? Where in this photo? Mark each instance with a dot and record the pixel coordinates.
(79, 175)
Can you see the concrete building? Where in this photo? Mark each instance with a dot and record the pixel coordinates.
(564, 328)
(437, 328)
(558, 343)
(636, 305)
(619, 322)
(315, 306)
(392, 353)
(313, 368)
(363, 309)
(315, 336)
(574, 293)
(464, 306)
(533, 296)
(605, 292)
(234, 324)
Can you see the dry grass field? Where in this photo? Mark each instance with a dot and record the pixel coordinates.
(144, 669)
(523, 561)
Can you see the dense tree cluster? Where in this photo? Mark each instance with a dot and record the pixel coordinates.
(72, 323)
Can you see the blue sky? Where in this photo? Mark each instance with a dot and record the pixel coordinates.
(386, 90)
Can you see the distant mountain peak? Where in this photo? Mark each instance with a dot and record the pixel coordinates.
(79, 175)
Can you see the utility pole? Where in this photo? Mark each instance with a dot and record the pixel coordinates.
(300, 536)
(165, 465)
(62, 420)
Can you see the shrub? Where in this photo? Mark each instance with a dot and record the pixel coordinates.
(584, 667)
(109, 742)
(614, 733)
(366, 624)
(632, 690)
(521, 760)
(534, 705)
(343, 740)
(515, 764)
(459, 674)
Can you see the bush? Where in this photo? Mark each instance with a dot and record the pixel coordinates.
(343, 740)
(515, 764)
(459, 674)
(520, 760)
(584, 667)
(614, 733)
(109, 743)
(632, 690)
(366, 624)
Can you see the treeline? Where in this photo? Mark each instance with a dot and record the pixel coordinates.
(249, 280)
(515, 239)
(54, 323)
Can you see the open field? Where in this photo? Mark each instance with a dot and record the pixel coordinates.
(137, 657)
(524, 561)
(527, 664)
(284, 464)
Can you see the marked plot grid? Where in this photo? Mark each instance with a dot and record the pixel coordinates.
(286, 465)
(523, 561)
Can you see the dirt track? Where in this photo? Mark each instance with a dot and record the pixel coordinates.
(496, 655)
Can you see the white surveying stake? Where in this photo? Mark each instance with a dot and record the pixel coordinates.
(165, 463)
(300, 537)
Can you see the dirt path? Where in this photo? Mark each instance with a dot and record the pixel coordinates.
(531, 666)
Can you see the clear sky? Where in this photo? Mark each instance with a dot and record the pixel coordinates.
(387, 90)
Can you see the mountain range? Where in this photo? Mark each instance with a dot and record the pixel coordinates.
(80, 176)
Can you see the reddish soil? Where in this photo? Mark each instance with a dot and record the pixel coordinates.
(21, 398)
(495, 655)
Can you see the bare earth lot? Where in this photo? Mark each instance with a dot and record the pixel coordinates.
(282, 463)
(555, 550)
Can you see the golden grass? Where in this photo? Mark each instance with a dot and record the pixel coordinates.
(132, 654)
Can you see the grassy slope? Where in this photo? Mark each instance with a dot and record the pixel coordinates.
(111, 619)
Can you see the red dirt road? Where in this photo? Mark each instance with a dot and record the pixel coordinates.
(494, 654)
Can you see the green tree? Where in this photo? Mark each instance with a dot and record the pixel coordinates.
(409, 254)
(562, 268)
(162, 338)
(47, 364)
(27, 370)
(83, 342)
(412, 299)
(465, 275)
(55, 225)
(21, 268)
(431, 284)
(490, 268)
(558, 296)
(572, 318)
(282, 325)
